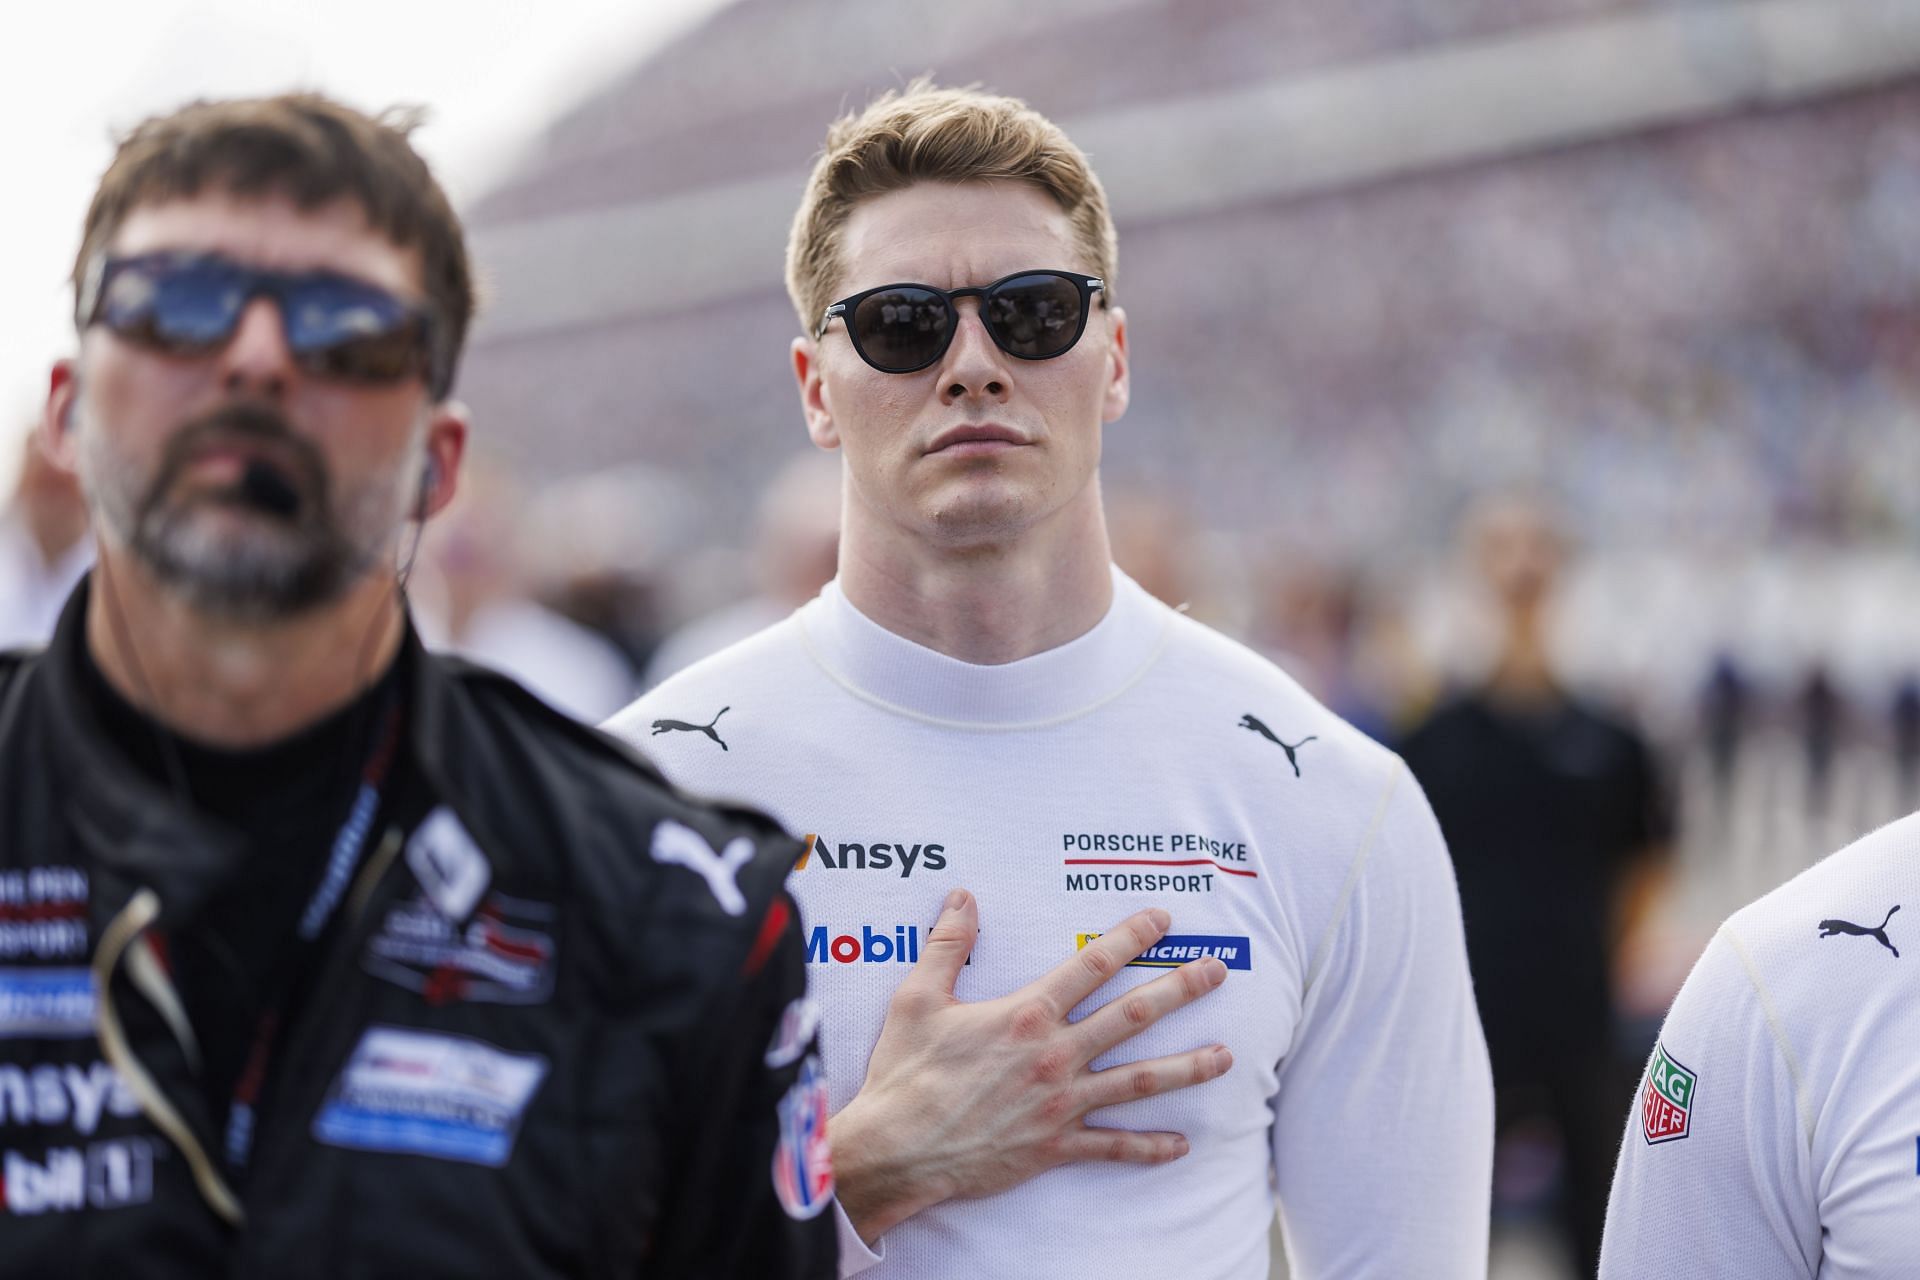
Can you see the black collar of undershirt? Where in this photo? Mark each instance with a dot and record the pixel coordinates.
(135, 827)
(314, 768)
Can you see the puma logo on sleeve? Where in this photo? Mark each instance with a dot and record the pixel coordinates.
(683, 846)
(1829, 928)
(1253, 722)
(669, 726)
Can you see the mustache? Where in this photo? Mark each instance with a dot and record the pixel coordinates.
(298, 461)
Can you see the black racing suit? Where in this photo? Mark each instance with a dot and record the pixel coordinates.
(550, 1020)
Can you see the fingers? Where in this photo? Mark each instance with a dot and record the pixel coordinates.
(1133, 1081)
(947, 947)
(1129, 1014)
(1080, 975)
(1121, 1146)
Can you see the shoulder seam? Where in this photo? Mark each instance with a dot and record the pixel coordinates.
(1345, 899)
(1778, 1031)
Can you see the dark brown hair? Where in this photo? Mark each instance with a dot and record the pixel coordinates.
(310, 149)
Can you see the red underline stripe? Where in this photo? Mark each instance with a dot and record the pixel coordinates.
(1157, 862)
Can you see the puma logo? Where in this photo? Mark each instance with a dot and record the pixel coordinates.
(682, 846)
(1829, 928)
(1253, 722)
(668, 726)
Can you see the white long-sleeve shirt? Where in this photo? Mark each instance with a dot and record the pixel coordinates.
(1776, 1133)
(1067, 790)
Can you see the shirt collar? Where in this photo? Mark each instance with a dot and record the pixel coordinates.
(1058, 684)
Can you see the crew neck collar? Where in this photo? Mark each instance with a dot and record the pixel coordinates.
(1058, 684)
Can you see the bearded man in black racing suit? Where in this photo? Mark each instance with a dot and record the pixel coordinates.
(321, 955)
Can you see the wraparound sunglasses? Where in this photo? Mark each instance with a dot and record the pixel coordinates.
(1030, 315)
(189, 304)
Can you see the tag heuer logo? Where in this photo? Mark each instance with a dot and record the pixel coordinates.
(1669, 1099)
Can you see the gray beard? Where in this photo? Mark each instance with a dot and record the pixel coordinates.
(288, 565)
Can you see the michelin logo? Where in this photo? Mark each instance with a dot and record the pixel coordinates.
(1177, 949)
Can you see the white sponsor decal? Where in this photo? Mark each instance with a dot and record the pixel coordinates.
(432, 1095)
(54, 1004)
(795, 1032)
(683, 846)
(103, 1175)
(35, 886)
(448, 864)
(64, 1094)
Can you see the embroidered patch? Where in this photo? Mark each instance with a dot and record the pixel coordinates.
(503, 955)
(56, 1004)
(1666, 1108)
(448, 864)
(43, 913)
(420, 1093)
(802, 1163)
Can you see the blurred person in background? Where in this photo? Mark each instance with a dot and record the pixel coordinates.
(1154, 542)
(795, 548)
(980, 701)
(44, 548)
(324, 955)
(475, 600)
(1554, 813)
(601, 546)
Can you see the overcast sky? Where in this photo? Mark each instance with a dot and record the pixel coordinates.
(491, 73)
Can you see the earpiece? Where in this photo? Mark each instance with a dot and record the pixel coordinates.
(429, 484)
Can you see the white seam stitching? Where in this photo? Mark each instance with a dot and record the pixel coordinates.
(1353, 879)
(806, 642)
(1800, 1102)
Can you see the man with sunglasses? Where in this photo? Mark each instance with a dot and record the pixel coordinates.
(321, 955)
(998, 746)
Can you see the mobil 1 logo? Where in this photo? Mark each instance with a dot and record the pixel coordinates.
(896, 857)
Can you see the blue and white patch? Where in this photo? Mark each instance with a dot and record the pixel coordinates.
(448, 864)
(802, 1160)
(54, 1004)
(419, 1093)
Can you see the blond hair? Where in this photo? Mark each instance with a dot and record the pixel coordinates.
(927, 134)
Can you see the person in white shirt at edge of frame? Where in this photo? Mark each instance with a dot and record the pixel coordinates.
(998, 747)
(44, 547)
(1776, 1132)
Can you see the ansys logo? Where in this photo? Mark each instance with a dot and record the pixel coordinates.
(872, 857)
(1667, 1107)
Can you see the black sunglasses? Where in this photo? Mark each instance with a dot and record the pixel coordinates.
(189, 304)
(1031, 315)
